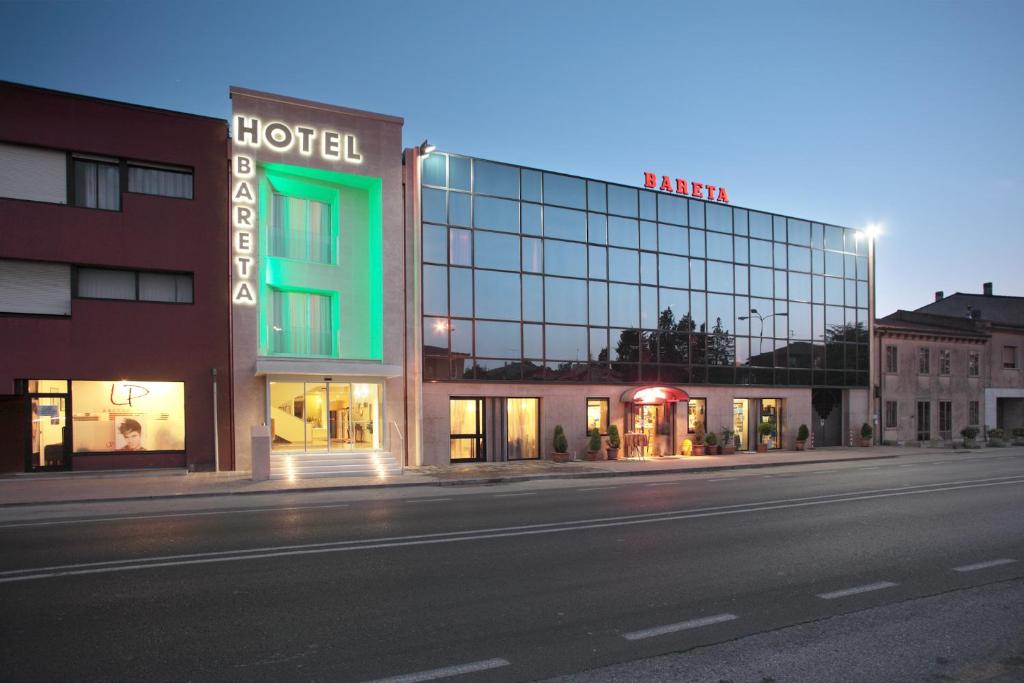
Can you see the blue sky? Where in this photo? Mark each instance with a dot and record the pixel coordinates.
(904, 113)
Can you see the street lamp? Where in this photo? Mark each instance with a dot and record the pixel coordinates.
(762, 318)
(426, 148)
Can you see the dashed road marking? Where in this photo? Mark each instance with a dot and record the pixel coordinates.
(681, 626)
(857, 590)
(446, 672)
(426, 500)
(983, 565)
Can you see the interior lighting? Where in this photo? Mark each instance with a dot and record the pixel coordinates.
(426, 148)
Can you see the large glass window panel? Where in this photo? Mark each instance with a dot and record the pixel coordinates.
(800, 320)
(741, 281)
(466, 427)
(497, 295)
(833, 238)
(458, 172)
(699, 311)
(672, 209)
(834, 291)
(799, 286)
(761, 282)
(598, 257)
(623, 232)
(676, 302)
(760, 225)
(597, 228)
(531, 216)
(491, 250)
(567, 259)
(862, 294)
(780, 284)
(742, 305)
(817, 236)
(833, 263)
(435, 169)
(648, 235)
(316, 416)
(435, 243)
(433, 206)
(720, 309)
(719, 218)
(740, 221)
(817, 261)
(623, 265)
(435, 290)
(622, 200)
(697, 244)
(624, 305)
(123, 415)
(625, 345)
(720, 277)
(780, 255)
(533, 341)
(565, 300)
(460, 247)
(565, 191)
(458, 208)
(533, 297)
(719, 246)
(599, 344)
(598, 303)
(435, 337)
(596, 200)
(862, 268)
(799, 232)
(159, 181)
(649, 307)
(461, 291)
(497, 340)
(563, 342)
(523, 420)
(741, 250)
(299, 229)
(461, 335)
(565, 224)
(531, 189)
(800, 259)
(101, 283)
(696, 214)
(287, 416)
(779, 228)
(496, 179)
(672, 240)
(817, 289)
(496, 214)
(673, 271)
(648, 205)
(648, 268)
(533, 255)
(851, 292)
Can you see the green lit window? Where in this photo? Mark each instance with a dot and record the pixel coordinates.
(300, 324)
(299, 229)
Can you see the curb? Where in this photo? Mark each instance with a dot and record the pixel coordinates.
(501, 479)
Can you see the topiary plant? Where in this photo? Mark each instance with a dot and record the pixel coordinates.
(594, 444)
(560, 443)
(802, 433)
(613, 437)
(765, 429)
(865, 431)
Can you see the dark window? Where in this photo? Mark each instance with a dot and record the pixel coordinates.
(165, 182)
(945, 419)
(924, 420)
(973, 412)
(97, 184)
(891, 359)
(130, 285)
(1009, 356)
(973, 364)
(944, 362)
(923, 361)
(891, 418)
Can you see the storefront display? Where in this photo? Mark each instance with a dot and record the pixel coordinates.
(127, 416)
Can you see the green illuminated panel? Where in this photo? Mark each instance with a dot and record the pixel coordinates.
(352, 276)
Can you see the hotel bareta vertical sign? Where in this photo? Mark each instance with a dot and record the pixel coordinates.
(254, 135)
(691, 188)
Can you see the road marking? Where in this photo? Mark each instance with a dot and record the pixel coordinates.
(983, 565)
(171, 514)
(870, 468)
(447, 671)
(663, 483)
(718, 479)
(425, 500)
(681, 626)
(598, 488)
(857, 590)
(266, 552)
(508, 495)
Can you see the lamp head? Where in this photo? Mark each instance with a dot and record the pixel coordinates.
(426, 148)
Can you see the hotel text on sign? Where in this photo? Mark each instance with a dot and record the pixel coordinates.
(693, 189)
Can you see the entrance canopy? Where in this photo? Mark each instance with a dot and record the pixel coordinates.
(654, 395)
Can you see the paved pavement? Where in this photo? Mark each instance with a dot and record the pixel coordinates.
(522, 581)
(85, 486)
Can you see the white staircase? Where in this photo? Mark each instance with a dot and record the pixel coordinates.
(336, 464)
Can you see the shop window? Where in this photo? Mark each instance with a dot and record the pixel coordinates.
(97, 184)
(695, 411)
(300, 229)
(161, 181)
(127, 415)
(771, 413)
(523, 428)
(300, 324)
(466, 429)
(324, 416)
(891, 418)
(597, 415)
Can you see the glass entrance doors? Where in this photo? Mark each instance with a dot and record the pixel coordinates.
(48, 405)
(323, 417)
(740, 424)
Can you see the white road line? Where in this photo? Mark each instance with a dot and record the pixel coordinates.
(598, 488)
(129, 518)
(663, 483)
(856, 590)
(718, 479)
(425, 500)
(266, 552)
(983, 565)
(681, 626)
(509, 495)
(447, 671)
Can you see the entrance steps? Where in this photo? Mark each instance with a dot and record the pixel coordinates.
(338, 464)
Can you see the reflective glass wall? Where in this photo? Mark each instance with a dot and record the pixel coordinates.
(537, 276)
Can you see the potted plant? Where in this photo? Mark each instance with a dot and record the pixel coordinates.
(764, 431)
(728, 442)
(698, 440)
(594, 445)
(801, 437)
(1018, 436)
(711, 441)
(970, 435)
(997, 437)
(560, 444)
(614, 442)
(865, 434)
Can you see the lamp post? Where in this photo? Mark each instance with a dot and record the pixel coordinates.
(871, 233)
(761, 319)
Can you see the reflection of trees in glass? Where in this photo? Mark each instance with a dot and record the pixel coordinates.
(836, 338)
(721, 346)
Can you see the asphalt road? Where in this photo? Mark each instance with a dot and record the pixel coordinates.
(513, 582)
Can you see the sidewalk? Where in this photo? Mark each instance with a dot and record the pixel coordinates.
(96, 486)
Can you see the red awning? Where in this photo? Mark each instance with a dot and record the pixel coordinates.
(654, 395)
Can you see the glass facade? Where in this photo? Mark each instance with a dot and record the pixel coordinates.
(537, 276)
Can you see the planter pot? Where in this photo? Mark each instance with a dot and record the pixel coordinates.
(560, 457)
(698, 449)
(728, 450)
(800, 445)
(591, 455)
(714, 450)
(613, 453)
(762, 448)
(865, 443)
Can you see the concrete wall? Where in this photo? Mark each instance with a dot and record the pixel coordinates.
(566, 405)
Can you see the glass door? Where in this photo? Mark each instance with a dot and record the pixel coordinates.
(740, 410)
(49, 443)
(523, 428)
(466, 417)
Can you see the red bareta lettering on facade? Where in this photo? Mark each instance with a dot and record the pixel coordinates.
(715, 193)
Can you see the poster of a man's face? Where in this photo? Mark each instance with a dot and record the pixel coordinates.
(129, 434)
